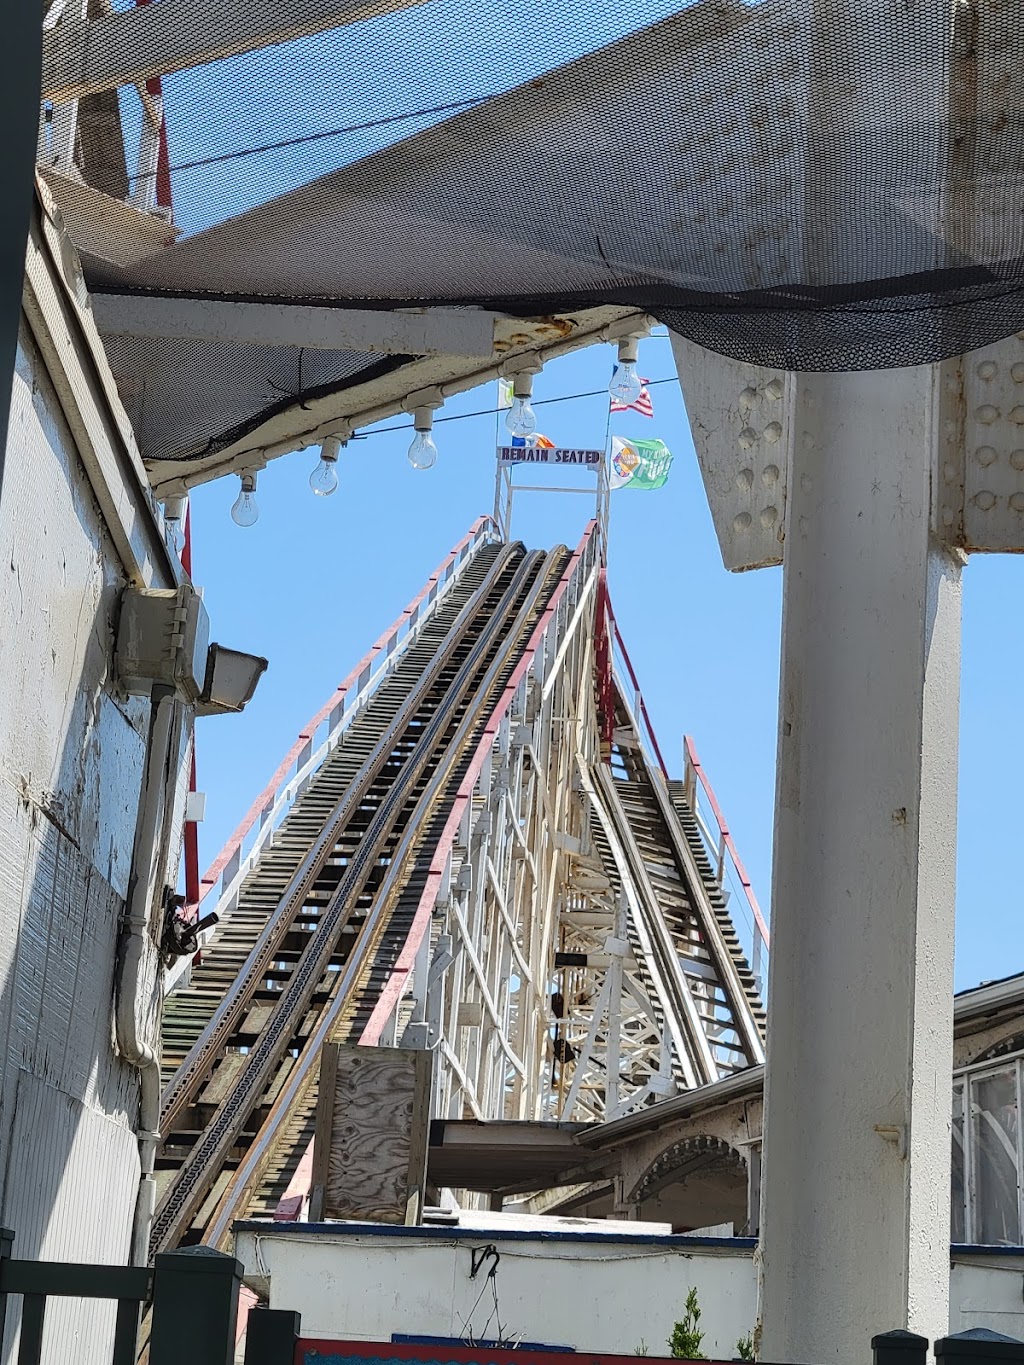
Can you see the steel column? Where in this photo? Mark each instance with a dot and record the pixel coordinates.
(855, 1212)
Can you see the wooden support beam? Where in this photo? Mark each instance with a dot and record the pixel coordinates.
(127, 48)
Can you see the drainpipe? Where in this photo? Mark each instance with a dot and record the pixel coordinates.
(139, 957)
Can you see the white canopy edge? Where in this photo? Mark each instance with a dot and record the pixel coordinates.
(308, 420)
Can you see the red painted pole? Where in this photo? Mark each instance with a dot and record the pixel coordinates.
(191, 828)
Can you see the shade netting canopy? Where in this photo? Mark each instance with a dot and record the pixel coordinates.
(796, 183)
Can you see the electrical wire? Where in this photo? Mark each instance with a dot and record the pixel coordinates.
(488, 412)
(325, 133)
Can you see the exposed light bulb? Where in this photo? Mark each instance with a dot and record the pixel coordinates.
(423, 451)
(626, 385)
(521, 419)
(175, 508)
(245, 510)
(176, 533)
(324, 478)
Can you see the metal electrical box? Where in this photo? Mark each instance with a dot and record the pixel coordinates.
(163, 638)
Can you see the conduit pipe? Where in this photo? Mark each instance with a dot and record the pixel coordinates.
(138, 955)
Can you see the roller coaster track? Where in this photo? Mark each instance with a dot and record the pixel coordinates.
(457, 779)
(317, 922)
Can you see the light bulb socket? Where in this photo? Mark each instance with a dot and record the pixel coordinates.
(331, 448)
(248, 483)
(174, 508)
(628, 348)
(423, 419)
(522, 385)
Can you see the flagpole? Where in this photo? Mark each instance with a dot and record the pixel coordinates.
(502, 509)
(604, 501)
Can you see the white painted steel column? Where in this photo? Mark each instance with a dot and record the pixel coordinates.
(855, 1221)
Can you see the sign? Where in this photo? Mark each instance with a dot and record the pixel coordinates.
(554, 455)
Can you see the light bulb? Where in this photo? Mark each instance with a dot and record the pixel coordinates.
(521, 419)
(175, 508)
(245, 509)
(626, 385)
(324, 478)
(176, 533)
(422, 452)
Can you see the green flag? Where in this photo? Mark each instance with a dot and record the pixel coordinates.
(639, 464)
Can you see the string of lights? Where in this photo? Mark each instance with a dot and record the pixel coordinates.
(624, 390)
(490, 412)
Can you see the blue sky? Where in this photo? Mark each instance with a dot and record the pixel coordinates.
(316, 580)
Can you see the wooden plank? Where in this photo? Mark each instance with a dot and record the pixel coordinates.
(129, 47)
(370, 1149)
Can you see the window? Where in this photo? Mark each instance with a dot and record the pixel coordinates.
(995, 1158)
(986, 1204)
(958, 1206)
(987, 1192)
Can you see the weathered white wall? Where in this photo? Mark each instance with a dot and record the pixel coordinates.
(604, 1295)
(71, 753)
(985, 1291)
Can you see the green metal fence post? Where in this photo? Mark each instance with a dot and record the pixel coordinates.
(195, 1307)
(270, 1337)
(899, 1348)
(979, 1346)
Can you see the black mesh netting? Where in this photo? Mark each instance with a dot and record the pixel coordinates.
(798, 183)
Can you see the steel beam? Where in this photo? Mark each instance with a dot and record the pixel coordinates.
(433, 331)
(127, 48)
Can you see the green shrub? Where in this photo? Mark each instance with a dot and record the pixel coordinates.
(684, 1343)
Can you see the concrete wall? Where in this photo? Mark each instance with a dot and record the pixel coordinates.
(71, 758)
(985, 1290)
(606, 1292)
(76, 524)
(592, 1291)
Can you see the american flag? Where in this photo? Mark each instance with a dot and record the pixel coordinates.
(642, 405)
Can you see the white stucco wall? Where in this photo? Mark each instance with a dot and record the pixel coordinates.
(593, 1293)
(72, 746)
(602, 1293)
(987, 1290)
(70, 767)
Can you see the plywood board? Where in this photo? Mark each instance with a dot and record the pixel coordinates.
(370, 1153)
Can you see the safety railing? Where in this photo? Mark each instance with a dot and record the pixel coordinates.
(730, 874)
(320, 735)
(625, 673)
(725, 860)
